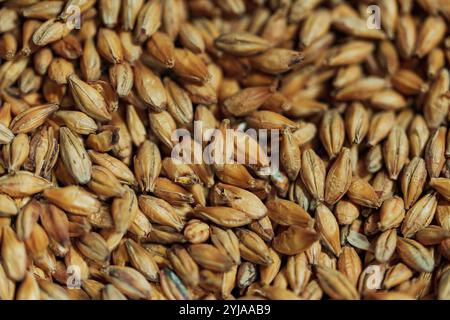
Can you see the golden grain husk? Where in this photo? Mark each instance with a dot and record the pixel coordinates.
(354, 176)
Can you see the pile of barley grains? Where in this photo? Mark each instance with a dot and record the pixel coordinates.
(352, 98)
